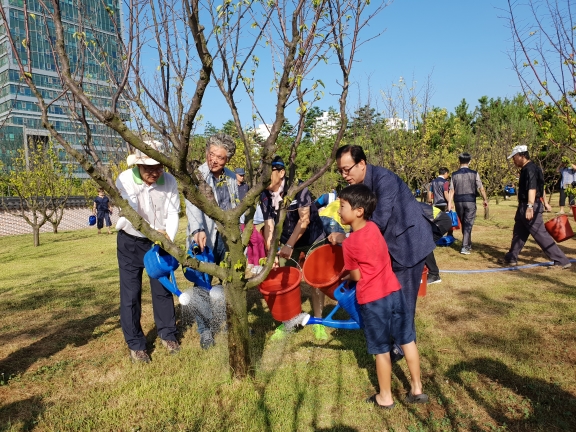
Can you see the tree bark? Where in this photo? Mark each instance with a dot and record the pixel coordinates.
(36, 232)
(237, 320)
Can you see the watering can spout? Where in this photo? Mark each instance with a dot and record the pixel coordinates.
(346, 300)
(160, 265)
(349, 324)
(183, 298)
(199, 279)
(169, 285)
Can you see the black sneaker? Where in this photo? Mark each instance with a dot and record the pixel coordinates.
(173, 347)
(139, 356)
(432, 279)
(504, 261)
(206, 340)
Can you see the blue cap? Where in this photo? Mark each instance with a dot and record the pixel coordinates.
(240, 171)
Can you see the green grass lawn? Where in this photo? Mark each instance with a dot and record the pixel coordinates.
(498, 351)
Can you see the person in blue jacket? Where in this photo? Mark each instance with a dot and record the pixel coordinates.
(398, 215)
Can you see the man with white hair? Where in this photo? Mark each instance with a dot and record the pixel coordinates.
(201, 229)
(152, 193)
(528, 220)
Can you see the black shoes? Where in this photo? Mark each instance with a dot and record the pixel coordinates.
(417, 399)
(432, 279)
(504, 261)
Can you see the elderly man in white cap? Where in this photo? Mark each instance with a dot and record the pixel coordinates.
(153, 193)
(528, 219)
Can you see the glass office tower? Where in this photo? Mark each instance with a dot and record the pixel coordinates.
(94, 51)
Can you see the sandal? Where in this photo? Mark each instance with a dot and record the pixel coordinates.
(372, 400)
(417, 399)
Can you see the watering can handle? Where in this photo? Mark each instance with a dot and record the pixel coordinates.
(317, 243)
(295, 262)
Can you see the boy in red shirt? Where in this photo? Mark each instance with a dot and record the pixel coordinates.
(381, 302)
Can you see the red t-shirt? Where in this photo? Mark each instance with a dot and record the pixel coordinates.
(367, 251)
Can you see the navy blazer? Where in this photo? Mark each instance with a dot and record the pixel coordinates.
(399, 217)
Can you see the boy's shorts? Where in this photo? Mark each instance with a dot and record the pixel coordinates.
(387, 319)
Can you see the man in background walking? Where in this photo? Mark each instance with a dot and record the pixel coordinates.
(528, 219)
(463, 186)
(439, 192)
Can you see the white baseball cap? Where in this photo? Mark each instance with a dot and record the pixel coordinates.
(518, 149)
(139, 158)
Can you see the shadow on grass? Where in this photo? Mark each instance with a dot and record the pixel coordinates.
(551, 407)
(77, 332)
(22, 413)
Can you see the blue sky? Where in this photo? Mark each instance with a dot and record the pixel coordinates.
(462, 44)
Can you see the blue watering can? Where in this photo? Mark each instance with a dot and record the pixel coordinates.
(346, 298)
(454, 218)
(199, 279)
(161, 265)
(445, 241)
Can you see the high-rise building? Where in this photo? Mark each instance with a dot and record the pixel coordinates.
(90, 28)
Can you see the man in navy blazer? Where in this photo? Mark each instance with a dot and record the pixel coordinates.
(399, 216)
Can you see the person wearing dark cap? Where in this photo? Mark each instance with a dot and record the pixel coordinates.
(528, 219)
(463, 186)
(301, 230)
(242, 185)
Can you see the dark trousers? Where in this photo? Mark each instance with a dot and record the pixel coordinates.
(441, 226)
(409, 278)
(101, 217)
(563, 196)
(431, 259)
(523, 228)
(203, 320)
(130, 253)
(466, 212)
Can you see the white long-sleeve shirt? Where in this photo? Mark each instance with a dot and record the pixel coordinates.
(158, 204)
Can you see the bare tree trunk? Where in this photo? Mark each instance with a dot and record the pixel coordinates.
(237, 320)
(36, 233)
(56, 219)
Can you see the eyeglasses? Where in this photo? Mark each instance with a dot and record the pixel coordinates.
(217, 157)
(149, 169)
(346, 171)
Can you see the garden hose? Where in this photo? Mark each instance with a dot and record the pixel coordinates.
(546, 264)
